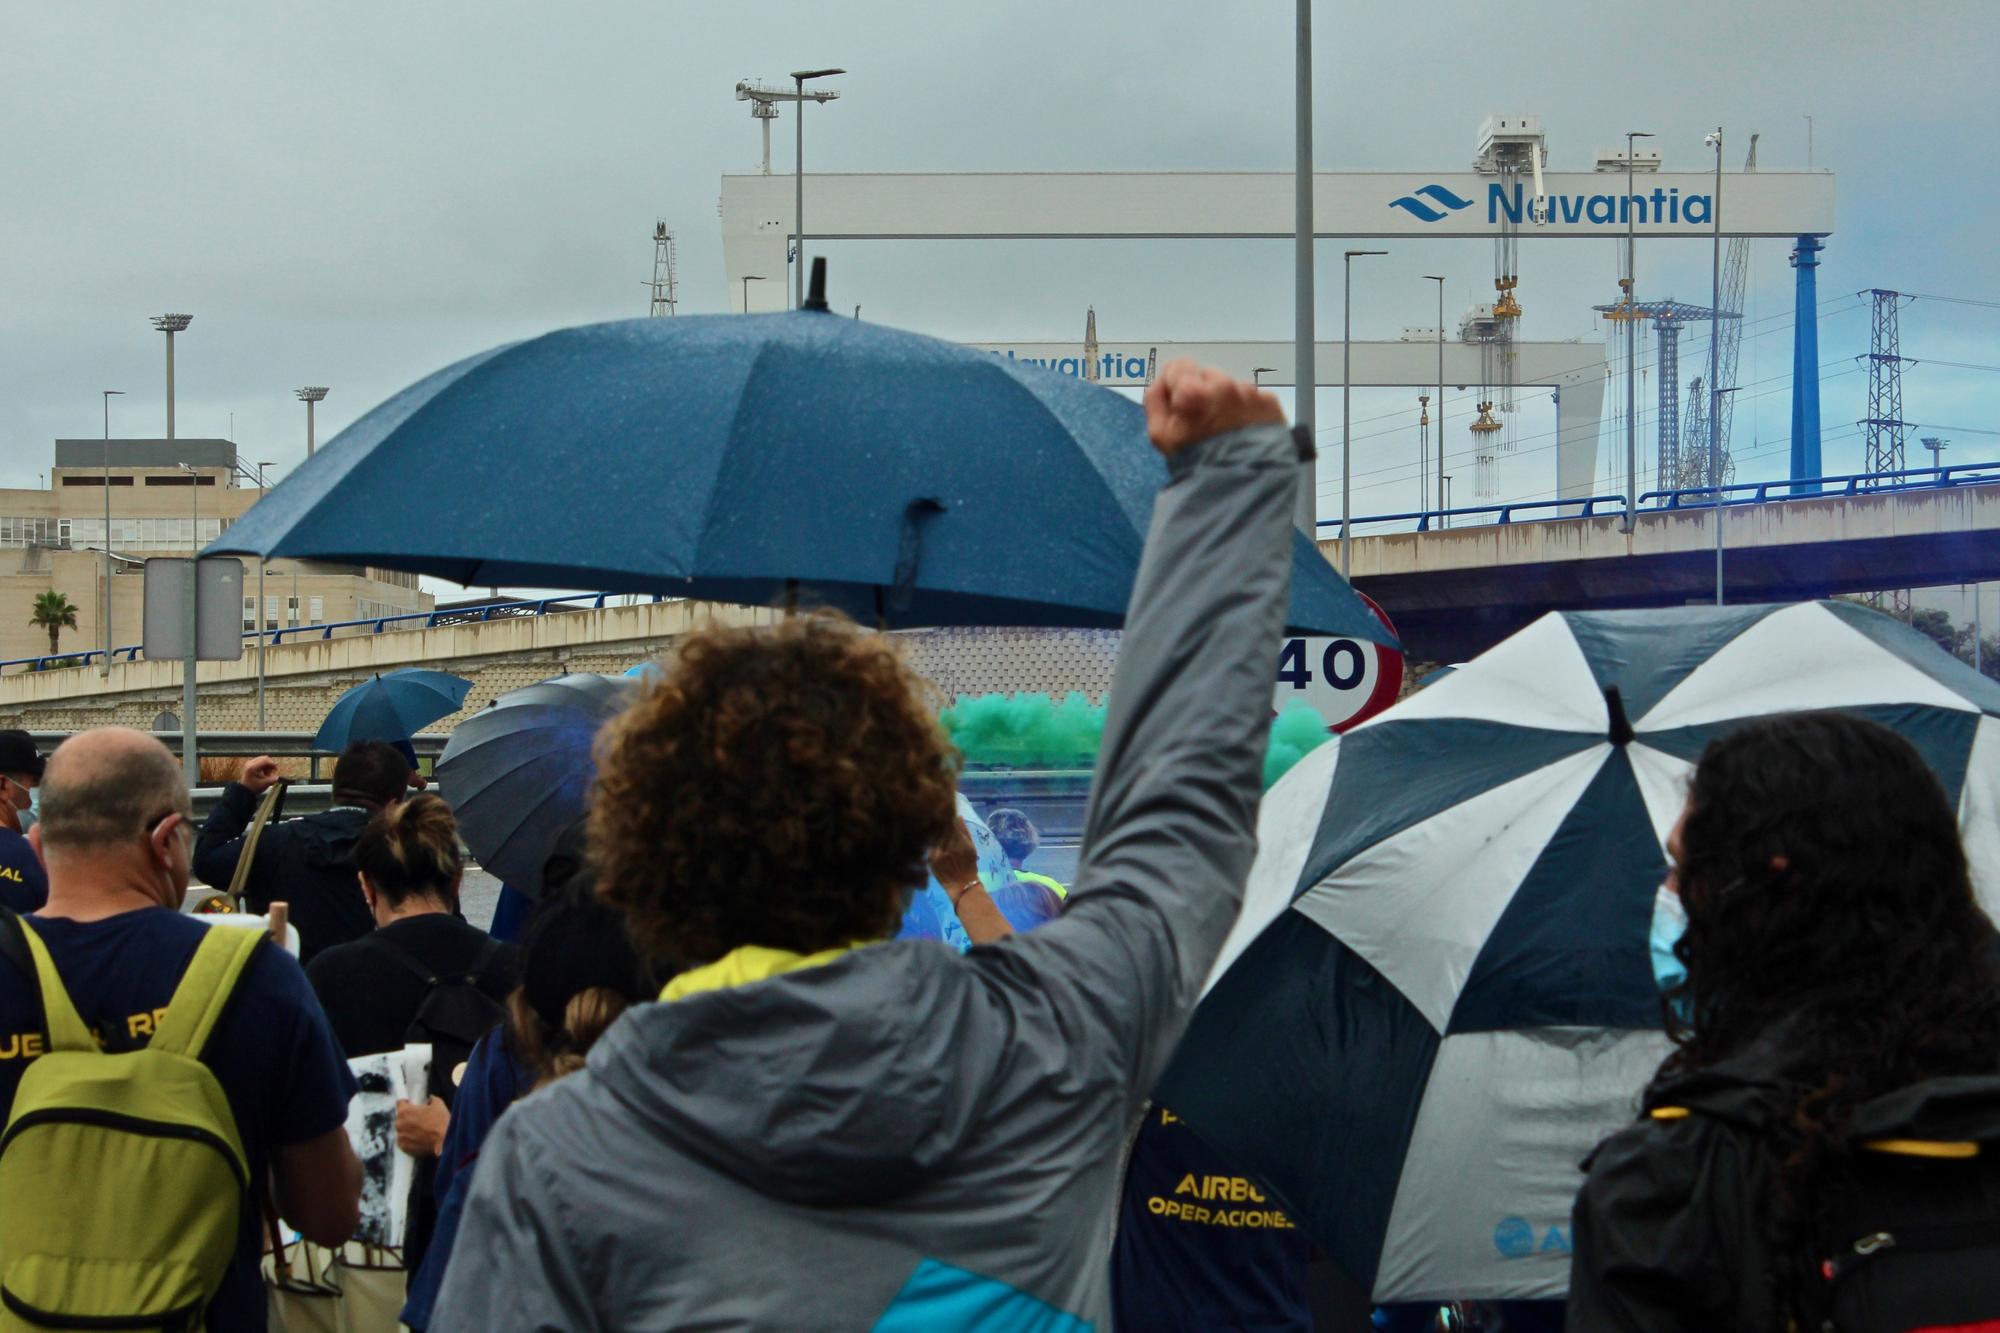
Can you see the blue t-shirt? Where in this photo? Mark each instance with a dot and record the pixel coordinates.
(1201, 1246)
(24, 885)
(271, 1051)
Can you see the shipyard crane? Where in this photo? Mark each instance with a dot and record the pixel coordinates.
(764, 99)
(1694, 429)
(1508, 146)
(1667, 318)
(1735, 274)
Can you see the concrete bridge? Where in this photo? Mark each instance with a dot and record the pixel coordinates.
(303, 678)
(1456, 591)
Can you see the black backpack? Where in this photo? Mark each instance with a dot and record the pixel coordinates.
(1916, 1242)
(454, 1014)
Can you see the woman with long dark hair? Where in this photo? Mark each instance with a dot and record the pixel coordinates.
(1822, 1148)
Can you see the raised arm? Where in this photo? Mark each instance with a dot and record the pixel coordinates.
(220, 841)
(1171, 829)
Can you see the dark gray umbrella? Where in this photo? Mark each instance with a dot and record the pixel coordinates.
(518, 773)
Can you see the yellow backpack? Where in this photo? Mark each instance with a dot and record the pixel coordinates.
(122, 1176)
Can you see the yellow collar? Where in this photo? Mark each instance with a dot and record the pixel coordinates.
(745, 964)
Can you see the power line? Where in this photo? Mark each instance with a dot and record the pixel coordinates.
(1952, 300)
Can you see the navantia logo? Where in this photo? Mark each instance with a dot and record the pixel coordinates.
(1424, 212)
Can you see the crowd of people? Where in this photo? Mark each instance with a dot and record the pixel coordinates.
(708, 1088)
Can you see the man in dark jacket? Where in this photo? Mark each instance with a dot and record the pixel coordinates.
(307, 862)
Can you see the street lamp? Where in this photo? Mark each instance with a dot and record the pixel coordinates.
(1257, 375)
(749, 278)
(309, 395)
(190, 760)
(1715, 479)
(262, 630)
(1715, 321)
(1305, 374)
(800, 77)
(1347, 259)
(1432, 277)
(1631, 343)
(170, 325)
(108, 395)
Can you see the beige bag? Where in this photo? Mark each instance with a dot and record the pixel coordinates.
(372, 1284)
(298, 1286)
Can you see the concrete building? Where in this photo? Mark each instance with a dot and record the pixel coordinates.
(167, 498)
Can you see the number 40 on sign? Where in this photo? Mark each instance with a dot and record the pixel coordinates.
(1346, 681)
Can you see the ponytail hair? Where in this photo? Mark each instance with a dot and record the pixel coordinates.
(410, 850)
(579, 971)
(549, 1055)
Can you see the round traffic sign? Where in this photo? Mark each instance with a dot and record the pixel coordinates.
(1346, 681)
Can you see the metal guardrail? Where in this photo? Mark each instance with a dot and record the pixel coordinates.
(1759, 492)
(475, 615)
(250, 744)
(1506, 512)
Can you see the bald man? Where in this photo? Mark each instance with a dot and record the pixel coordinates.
(116, 833)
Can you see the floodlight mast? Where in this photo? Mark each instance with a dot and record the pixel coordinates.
(309, 395)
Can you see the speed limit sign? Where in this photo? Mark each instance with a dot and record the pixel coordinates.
(1346, 681)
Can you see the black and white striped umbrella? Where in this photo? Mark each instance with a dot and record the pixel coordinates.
(1440, 996)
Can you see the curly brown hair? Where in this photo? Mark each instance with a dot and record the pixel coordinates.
(780, 786)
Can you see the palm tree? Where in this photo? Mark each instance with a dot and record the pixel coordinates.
(54, 613)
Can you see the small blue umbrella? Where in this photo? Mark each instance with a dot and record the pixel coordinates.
(753, 458)
(517, 772)
(393, 707)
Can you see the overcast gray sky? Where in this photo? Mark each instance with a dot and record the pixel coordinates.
(356, 194)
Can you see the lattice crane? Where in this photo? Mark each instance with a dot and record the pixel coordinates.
(1735, 276)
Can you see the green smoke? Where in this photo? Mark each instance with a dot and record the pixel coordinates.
(1026, 730)
(1297, 730)
(1034, 731)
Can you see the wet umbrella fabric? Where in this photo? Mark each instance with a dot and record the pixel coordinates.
(392, 707)
(517, 772)
(1441, 995)
(905, 480)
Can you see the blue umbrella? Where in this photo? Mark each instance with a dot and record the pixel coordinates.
(393, 706)
(748, 458)
(517, 772)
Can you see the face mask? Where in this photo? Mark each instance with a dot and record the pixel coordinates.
(1669, 924)
(33, 814)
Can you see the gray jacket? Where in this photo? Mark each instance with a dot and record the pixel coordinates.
(908, 1138)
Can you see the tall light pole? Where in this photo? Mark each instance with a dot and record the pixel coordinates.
(1347, 259)
(263, 634)
(1715, 478)
(1257, 375)
(190, 760)
(800, 78)
(108, 641)
(749, 278)
(309, 395)
(170, 325)
(1305, 377)
(1432, 277)
(1631, 343)
(1715, 354)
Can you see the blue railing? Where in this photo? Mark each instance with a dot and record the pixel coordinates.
(374, 624)
(1752, 492)
(1588, 503)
